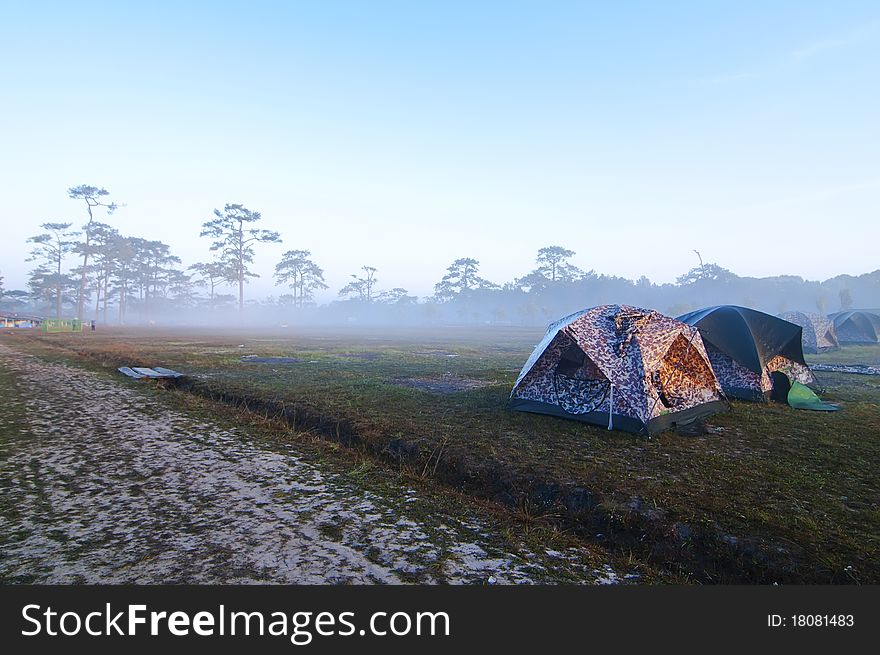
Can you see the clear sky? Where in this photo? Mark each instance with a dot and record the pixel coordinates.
(406, 134)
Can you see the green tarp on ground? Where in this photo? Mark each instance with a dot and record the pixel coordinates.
(802, 397)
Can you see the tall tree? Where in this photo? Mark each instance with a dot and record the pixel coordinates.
(397, 296)
(15, 298)
(93, 197)
(234, 239)
(533, 282)
(461, 276)
(104, 243)
(300, 273)
(50, 249)
(181, 289)
(211, 275)
(705, 272)
(123, 272)
(361, 286)
(553, 263)
(154, 267)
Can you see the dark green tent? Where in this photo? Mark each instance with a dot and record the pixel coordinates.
(746, 347)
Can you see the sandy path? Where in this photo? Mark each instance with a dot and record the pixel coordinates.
(105, 484)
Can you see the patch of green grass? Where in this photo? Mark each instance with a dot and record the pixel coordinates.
(12, 418)
(848, 354)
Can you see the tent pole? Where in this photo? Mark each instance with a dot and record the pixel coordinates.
(611, 408)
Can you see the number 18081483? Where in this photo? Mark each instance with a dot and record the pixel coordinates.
(822, 620)
(811, 620)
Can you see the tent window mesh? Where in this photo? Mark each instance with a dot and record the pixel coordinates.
(579, 384)
(581, 396)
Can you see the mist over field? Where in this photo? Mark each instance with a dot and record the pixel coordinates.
(99, 274)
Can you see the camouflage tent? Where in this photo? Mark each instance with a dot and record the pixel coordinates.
(819, 334)
(624, 367)
(748, 349)
(856, 326)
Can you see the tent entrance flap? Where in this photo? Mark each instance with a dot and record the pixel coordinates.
(680, 375)
(579, 385)
(802, 397)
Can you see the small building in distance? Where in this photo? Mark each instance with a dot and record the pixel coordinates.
(17, 320)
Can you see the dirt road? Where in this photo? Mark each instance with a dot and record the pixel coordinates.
(102, 482)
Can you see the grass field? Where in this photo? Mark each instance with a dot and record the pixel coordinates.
(768, 494)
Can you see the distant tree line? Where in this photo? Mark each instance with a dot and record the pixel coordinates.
(120, 278)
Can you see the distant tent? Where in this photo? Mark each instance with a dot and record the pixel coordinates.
(746, 347)
(624, 367)
(819, 333)
(856, 326)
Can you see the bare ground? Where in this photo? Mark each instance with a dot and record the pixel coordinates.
(105, 483)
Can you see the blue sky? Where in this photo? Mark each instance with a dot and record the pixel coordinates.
(404, 135)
